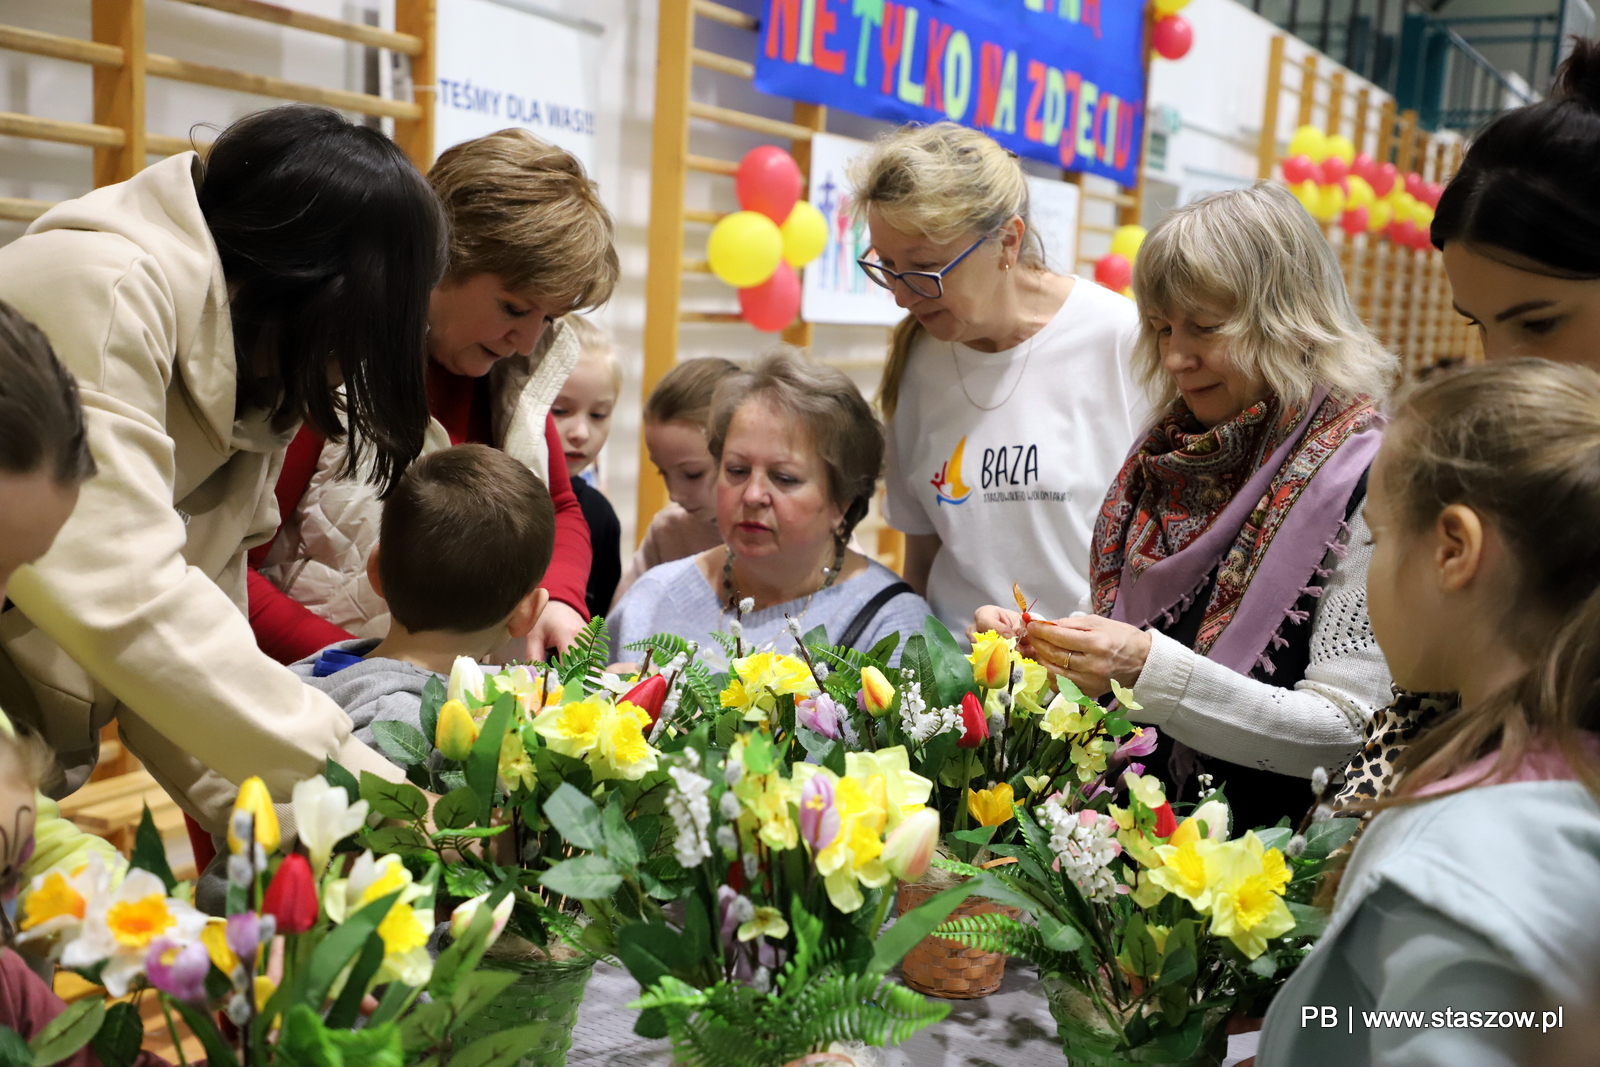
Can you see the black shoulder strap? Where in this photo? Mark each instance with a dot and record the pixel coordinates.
(869, 611)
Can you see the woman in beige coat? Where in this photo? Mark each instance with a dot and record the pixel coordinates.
(205, 311)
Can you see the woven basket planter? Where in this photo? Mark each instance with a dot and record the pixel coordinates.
(942, 968)
(546, 992)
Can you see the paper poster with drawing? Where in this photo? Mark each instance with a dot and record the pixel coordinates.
(834, 289)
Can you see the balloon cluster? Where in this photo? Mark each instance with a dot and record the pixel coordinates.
(1115, 269)
(759, 249)
(1171, 36)
(1335, 184)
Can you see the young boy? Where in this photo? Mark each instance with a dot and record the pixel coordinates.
(675, 419)
(582, 413)
(465, 540)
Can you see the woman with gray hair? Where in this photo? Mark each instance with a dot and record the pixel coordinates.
(1230, 555)
(798, 452)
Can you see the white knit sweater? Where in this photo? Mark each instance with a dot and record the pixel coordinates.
(1318, 723)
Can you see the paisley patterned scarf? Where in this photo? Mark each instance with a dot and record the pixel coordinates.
(1258, 501)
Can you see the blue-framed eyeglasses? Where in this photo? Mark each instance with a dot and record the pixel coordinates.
(928, 284)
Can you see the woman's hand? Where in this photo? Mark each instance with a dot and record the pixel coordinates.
(1090, 650)
(1003, 621)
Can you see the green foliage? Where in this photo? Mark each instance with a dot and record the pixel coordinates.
(995, 932)
(14, 1051)
(305, 1041)
(587, 656)
(336, 774)
(575, 817)
(149, 853)
(401, 741)
(456, 810)
(483, 764)
(393, 800)
(68, 1032)
(120, 1036)
(433, 694)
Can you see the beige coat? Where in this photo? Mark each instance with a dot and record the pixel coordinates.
(320, 558)
(139, 610)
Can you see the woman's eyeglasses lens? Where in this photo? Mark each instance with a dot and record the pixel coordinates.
(923, 285)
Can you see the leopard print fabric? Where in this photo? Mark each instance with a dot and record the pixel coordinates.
(1370, 774)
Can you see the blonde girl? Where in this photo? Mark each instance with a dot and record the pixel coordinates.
(1474, 888)
(1007, 395)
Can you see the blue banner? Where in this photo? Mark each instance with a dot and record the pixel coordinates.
(1056, 80)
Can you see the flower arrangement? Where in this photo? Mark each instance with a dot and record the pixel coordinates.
(1150, 932)
(349, 981)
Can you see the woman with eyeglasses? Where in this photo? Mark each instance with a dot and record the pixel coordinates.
(1008, 392)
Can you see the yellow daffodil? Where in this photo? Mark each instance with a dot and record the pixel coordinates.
(456, 731)
(905, 791)
(572, 729)
(764, 810)
(621, 750)
(854, 856)
(529, 689)
(1212, 815)
(1276, 870)
(757, 681)
(515, 766)
(256, 801)
(1249, 913)
(1149, 892)
(404, 929)
(53, 907)
(1183, 872)
(1125, 697)
(767, 922)
(991, 806)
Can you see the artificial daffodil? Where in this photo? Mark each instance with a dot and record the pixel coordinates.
(120, 926)
(55, 903)
(757, 681)
(991, 806)
(404, 929)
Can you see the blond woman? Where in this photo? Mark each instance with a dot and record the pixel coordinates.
(1008, 393)
(1230, 556)
(530, 241)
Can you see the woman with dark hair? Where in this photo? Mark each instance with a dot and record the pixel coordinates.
(204, 311)
(1519, 224)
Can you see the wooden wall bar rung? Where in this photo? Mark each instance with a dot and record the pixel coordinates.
(38, 129)
(371, 36)
(75, 49)
(746, 121)
(158, 144)
(18, 209)
(724, 64)
(710, 218)
(710, 316)
(696, 266)
(220, 78)
(725, 15)
(708, 165)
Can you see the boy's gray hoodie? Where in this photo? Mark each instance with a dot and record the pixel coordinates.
(370, 689)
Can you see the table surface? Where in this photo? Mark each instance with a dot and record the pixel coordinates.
(1010, 1028)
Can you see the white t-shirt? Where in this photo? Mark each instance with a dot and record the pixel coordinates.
(1013, 492)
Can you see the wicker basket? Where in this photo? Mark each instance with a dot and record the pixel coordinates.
(943, 968)
(546, 992)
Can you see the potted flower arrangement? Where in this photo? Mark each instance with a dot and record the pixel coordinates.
(1150, 934)
(350, 938)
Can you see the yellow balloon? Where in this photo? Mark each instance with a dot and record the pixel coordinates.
(1379, 215)
(1309, 193)
(1330, 204)
(1309, 141)
(805, 234)
(1126, 240)
(1340, 145)
(744, 249)
(1170, 7)
(1361, 194)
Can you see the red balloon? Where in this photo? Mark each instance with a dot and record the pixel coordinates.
(1355, 221)
(1334, 170)
(1383, 179)
(1365, 168)
(1403, 233)
(1431, 191)
(1414, 184)
(1114, 271)
(1172, 37)
(768, 181)
(774, 303)
(1297, 169)
(1423, 242)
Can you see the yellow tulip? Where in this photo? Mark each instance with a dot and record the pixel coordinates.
(456, 733)
(992, 806)
(909, 848)
(254, 800)
(876, 692)
(991, 661)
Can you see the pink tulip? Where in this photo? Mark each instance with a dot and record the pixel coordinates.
(184, 975)
(819, 818)
(820, 714)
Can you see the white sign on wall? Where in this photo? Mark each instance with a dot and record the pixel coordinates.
(1053, 210)
(505, 63)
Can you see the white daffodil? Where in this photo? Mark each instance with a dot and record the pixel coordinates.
(466, 677)
(54, 904)
(324, 815)
(404, 929)
(119, 927)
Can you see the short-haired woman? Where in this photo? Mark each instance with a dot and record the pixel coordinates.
(205, 311)
(1008, 393)
(1519, 224)
(529, 242)
(798, 452)
(1225, 585)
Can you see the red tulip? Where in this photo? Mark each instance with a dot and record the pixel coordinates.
(1166, 821)
(291, 896)
(974, 721)
(648, 696)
